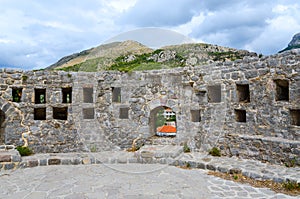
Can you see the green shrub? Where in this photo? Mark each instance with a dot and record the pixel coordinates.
(215, 152)
(186, 148)
(24, 77)
(93, 149)
(24, 151)
(290, 163)
(188, 165)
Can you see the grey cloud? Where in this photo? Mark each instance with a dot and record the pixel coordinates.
(235, 26)
(216, 5)
(147, 13)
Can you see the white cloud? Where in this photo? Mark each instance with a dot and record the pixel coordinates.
(122, 5)
(275, 36)
(37, 33)
(188, 27)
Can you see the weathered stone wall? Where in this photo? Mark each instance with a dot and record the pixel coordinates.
(244, 108)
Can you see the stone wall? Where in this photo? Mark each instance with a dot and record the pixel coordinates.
(249, 108)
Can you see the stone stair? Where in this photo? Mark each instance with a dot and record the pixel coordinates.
(156, 140)
(9, 157)
(163, 154)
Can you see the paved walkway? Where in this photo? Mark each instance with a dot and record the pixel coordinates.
(138, 175)
(130, 181)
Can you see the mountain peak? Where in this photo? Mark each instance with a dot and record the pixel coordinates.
(294, 43)
(296, 40)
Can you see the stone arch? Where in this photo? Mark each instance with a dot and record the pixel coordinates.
(154, 122)
(9, 115)
(2, 127)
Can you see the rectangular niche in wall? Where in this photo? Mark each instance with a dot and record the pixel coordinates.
(67, 95)
(40, 96)
(240, 115)
(16, 94)
(282, 90)
(88, 95)
(214, 93)
(124, 113)
(88, 113)
(60, 113)
(295, 117)
(116, 94)
(40, 114)
(196, 115)
(243, 93)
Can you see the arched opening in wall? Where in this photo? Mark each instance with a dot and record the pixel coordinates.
(2, 127)
(163, 122)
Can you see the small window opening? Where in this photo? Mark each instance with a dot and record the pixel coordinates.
(295, 117)
(116, 94)
(240, 115)
(196, 115)
(60, 113)
(124, 113)
(16, 94)
(40, 114)
(243, 93)
(88, 95)
(40, 96)
(214, 93)
(67, 95)
(88, 113)
(282, 90)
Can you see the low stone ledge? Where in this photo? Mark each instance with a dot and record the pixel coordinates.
(9, 157)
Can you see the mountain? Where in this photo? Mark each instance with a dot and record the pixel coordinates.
(99, 58)
(295, 43)
(131, 55)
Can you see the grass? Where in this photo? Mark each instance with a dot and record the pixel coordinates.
(290, 188)
(291, 162)
(222, 56)
(215, 152)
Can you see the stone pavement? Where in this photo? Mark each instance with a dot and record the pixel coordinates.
(122, 181)
(138, 175)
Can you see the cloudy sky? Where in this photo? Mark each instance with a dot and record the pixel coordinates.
(36, 33)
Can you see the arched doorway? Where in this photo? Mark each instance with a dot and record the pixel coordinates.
(163, 122)
(2, 127)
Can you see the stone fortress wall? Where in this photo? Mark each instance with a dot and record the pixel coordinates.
(248, 108)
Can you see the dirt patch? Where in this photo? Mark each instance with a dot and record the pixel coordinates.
(289, 188)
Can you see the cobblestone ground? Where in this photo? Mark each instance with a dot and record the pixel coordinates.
(122, 181)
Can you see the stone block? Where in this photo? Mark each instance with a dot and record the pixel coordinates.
(9, 166)
(76, 161)
(54, 161)
(43, 162)
(16, 158)
(33, 163)
(5, 158)
(211, 167)
(235, 171)
(251, 74)
(147, 154)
